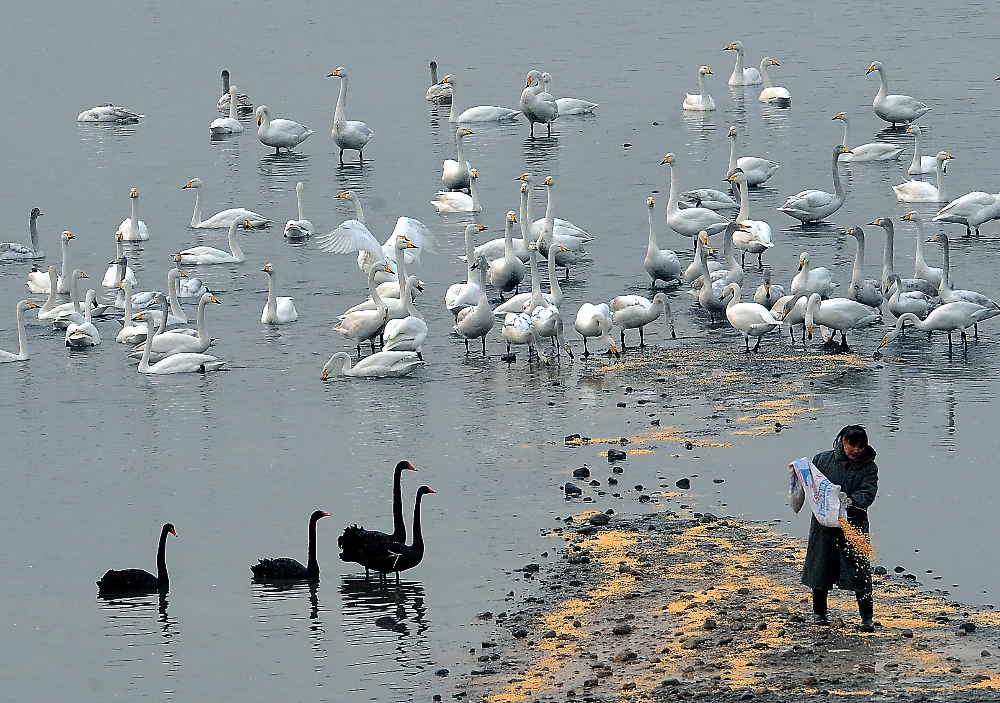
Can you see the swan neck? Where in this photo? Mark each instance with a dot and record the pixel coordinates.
(298, 199)
(65, 260)
(225, 83)
(672, 198)
(459, 138)
(857, 277)
(945, 277)
(75, 291)
(418, 536)
(729, 250)
(703, 86)
(233, 100)
(161, 558)
(940, 180)
(33, 226)
(411, 310)
(134, 222)
(373, 289)
(50, 302)
(398, 524)
(312, 566)
(469, 255)
(234, 245)
(22, 338)
(847, 134)
(150, 333)
(272, 302)
(838, 187)
(175, 304)
(474, 194)
(653, 245)
(884, 84)
(88, 307)
(744, 213)
(536, 283)
(732, 152)
(128, 303)
(508, 241)
(888, 267)
(196, 215)
(766, 79)
(434, 74)
(453, 113)
(917, 146)
(920, 241)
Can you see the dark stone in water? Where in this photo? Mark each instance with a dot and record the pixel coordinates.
(683, 484)
(532, 567)
(520, 633)
(689, 446)
(572, 438)
(616, 455)
(655, 423)
(595, 482)
(618, 470)
(638, 486)
(718, 480)
(600, 519)
(968, 627)
(644, 498)
(441, 672)
(582, 472)
(880, 571)
(899, 569)
(612, 481)
(621, 405)
(572, 490)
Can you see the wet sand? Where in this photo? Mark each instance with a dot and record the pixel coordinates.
(666, 607)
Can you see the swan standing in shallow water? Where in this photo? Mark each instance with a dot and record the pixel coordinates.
(569, 248)
(568, 106)
(660, 264)
(410, 332)
(814, 205)
(439, 92)
(132, 228)
(812, 279)
(449, 201)
(518, 329)
(754, 237)
(888, 266)
(700, 102)
(348, 134)
(932, 274)
(867, 291)
(39, 282)
(220, 220)
(22, 338)
(131, 333)
(203, 255)
(921, 164)
(873, 151)
(455, 174)
(300, 228)
(690, 221)
(84, 334)
(894, 109)
(756, 169)
(243, 101)
(475, 322)
(279, 309)
(634, 311)
(742, 76)
(749, 319)
(364, 325)
(972, 210)
(13, 251)
(462, 295)
(183, 362)
(228, 125)
(772, 94)
(384, 364)
(480, 113)
(920, 192)
(904, 299)
(595, 321)
(507, 273)
(279, 133)
(767, 294)
(945, 291)
(950, 317)
(839, 314)
(106, 112)
(537, 105)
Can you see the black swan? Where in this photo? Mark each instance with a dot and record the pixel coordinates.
(360, 535)
(138, 580)
(374, 550)
(287, 569)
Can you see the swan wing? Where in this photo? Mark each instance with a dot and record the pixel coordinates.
(351, 236)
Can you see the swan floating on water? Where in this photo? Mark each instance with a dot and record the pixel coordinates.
(455, 174)
(279, 133)
(756, 169)
(39, 282)
(480, 113)
(812, 279)
(351, 135)
(84, 334)
(920, 192)
(383, 364)
(702, 101)
(660, 264)
(203, 255)
(228, 125)
(278, 310)
(243, 101)
(22, 339)
(439, 92)
(132, 228)
(183, 362)
(931, 274)
(773, 95)
(894, 109)
(690, 221)
(873, 151)
(106, 112)
(450, 201)
(568, 106)
(507, 273)
(408, 333)
(300, 228)
(220, 220)
(921, 164)
(742, 76)
(814, 205)
(13, 251)
(927, 286)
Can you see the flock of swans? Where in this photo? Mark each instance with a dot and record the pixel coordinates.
(390, 317)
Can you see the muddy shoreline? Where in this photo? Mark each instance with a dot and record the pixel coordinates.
(666, 607)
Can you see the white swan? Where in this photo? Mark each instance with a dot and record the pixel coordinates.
(767, 294)
(772, 94)
(13, 251)
(118, 270)
(106, 112)
(480, 113)
(181, 341)
(549, 323)
(243, 101)
(131, 333)
(364, 325)
(53, 293)
(455, 174)
(905, 299)
(183, 362)
(300, 228)
(384, 364)
(756, 169)
(410, 332)
(494, 249)
(220, 220)
(921, 269)
(595, 321)
(462, 295)
(348, 134)
(177, 314)
(839, 314)
(568, 106)
(732, 271)
(560, 226)
(62, 315)
(132, 228)
(920, 192)
(228, 125)
(538, 105)
(888, 265)
(526, 302)
(711, 296)
(22, 338)
(791, 310)
(894, 109)
(203, 255)
(754, 237)
(518, 329)
(439, 92)
(507, 273)
(749, 319)
(873, 151)
(476, 321)
(279, 133)
(867, 291)
(570, 249)
(950, 318)
(812, 279)
(660, 264)
(742, 76)
(945, 291)
(700, 102)
(814, 205)
(449, 201)
(84, 334)
(921, 164)
(972, 210)
(634, 311)
(188, 287)
(710, 198)
(278, 310)
(38, 281)
(690, 221)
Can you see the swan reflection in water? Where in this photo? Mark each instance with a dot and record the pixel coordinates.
(370, 607)
(289, 164)
(277, 600)
(144, 618)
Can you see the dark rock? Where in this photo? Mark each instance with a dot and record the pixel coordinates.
(437, 698)
(549, 634)
(487, 644)
(588, 530)
(747, 696)
(710, 624)
(638, 486)
(718, 480)
(600, 519)
(612, 481)
(899, 569)
(623, 629)
(531, 568)
(519, 633)
(441, 672)
(683, 484)
(572, 489)
(572, 438)
(487, 615)
(907, 633)
(595, 482)
(708, 517)
(644, 498)
(670, 682)
(582, 472)
(616, 455)
(810, 681)
(576, 583)
(629, 686)
(655, 423)
(621, 405)
(969, 627)
(617, 469)
(689, 446)
(590, 683)
(744, 591)
(880, 571)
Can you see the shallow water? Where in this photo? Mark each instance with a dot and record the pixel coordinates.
(98, 457)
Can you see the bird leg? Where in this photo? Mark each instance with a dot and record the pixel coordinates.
(359, 351)
(549, 125)
(466, 346)
(743, 259)
(532, 127)
(361, 156)
(567, 273)
(642, 342)
(843, 343)
(372, 343)
(585, 352)
(760, 261)
(341, 157)
(757, 345)
(623, 339)
(484, 344)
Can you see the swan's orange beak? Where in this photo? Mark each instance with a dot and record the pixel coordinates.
(213, 299)
(730, 47)
(324, 370)
(258, 120)
(870, 69)
(527, 83)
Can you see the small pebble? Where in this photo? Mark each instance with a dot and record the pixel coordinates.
(683, 484)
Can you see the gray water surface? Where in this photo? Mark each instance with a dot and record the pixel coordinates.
(97, 456)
